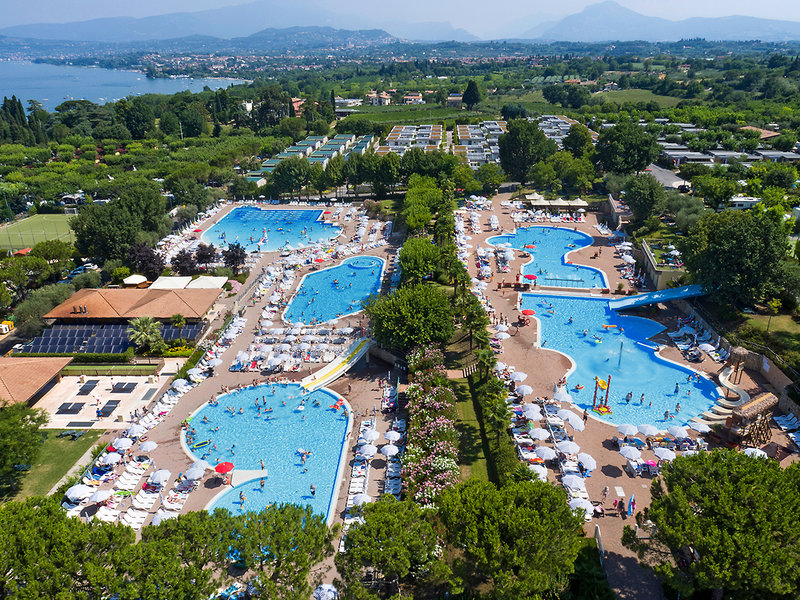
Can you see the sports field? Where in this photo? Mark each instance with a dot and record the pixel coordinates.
(32, 230)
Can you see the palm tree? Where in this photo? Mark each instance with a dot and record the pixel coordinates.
(486, 362)
(497, 414)
(475, 319)
(145, 333)
(178, 321)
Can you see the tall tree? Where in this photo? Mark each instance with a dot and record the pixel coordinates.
(143, 259)
(723, 523)
(234, 256)
(418, 260)
(145, 334)
(735, 254)
(523, 146)
(183, 263)
(578, 141)
(472, 95)
(205, 254)
(626, 148)
(506, 537)
(645, 195)
(20, 437)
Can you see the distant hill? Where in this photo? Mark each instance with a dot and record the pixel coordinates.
(608, 21)
(231, 22)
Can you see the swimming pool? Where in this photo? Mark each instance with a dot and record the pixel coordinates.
(247, 439)
(549, 262)
(335, 292)
(618, 346)
(268, 230)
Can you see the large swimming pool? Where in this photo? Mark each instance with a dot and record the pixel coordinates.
(549, 262)
(336, 291)
(275, 437)
(603, 343)
(268, 230)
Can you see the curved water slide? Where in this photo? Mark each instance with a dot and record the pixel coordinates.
(338, 367)
(724, 408)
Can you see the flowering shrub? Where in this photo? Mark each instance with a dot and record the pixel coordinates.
(430, 461)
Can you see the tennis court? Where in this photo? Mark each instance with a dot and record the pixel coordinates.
(30, 231)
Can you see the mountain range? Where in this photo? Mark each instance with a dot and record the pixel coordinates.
(232, 21)
(608, 21)
(605, 21)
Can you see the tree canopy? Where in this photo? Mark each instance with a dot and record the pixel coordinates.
(523, 146)
(626, 148)
(645, 195)
(411, 316)
(735, 254)
(20, 437)
(724, 523)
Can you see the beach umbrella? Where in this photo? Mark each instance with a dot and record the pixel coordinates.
(100, 496)
(755, 453)
(705, 347)
(583, 505)
(390, 450)
(524, 390)
(528, 312)
(224, 467)
(539, 470)
(79, 492)
(537, 433)
(588, 461)
(200, 464)
(371, 435)
(122, 443)
(518, 377)
(570, 417)
(647, 429)
(194, 474)
(628, 259)
(368, 450)
(577, 424)
(532, 412)
(630, 452)
(347, 330)
(664, 453)
(545, 453)
(501, 327)
(500, 366)
(393, 436)
(675, 252)
(360, 499)
(568, 447)
(678, 432)
(136, 430)
(627, 429)
(179, 383)
(195, 371)
(700, 427)
(305, 346)
(111, 458)
(163, 516)
(502, 336)
(160, 477)
(573, 482)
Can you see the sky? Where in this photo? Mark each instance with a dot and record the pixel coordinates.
(478, 16)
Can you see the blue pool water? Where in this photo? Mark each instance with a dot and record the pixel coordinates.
(549, 262)
(276, 442)
(335, 292)
(626, 354)
(268, 230)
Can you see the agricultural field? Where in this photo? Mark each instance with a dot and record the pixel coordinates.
(622, 96)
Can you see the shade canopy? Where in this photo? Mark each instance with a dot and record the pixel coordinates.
(630, 452)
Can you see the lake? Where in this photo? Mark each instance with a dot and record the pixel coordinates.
(53, 84)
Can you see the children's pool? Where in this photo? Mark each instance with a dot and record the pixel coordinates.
(268, 230)
(549, 262)
(336, 291)
(275, 437)
(618, 346)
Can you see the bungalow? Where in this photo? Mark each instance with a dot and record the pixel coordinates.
(778, 156)
(413, 98)
(378, 99)
(454, 101)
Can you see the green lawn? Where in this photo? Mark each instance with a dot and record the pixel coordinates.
(471, 455)
(32, 230)
(659, 241)
(58, 455)
(621, 96)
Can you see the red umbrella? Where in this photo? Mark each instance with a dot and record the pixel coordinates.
(529, 276)
(319, 260)
(198, 230)
(224, 467)
(327, 212)
(528, 312)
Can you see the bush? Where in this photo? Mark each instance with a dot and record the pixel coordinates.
(88, 357)
(89, 279)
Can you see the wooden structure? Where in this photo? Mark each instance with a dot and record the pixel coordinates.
(737, 360)
(750, 421)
